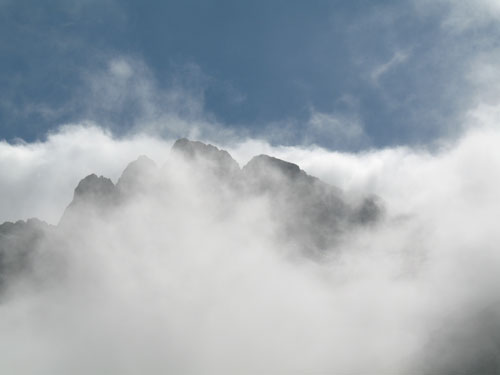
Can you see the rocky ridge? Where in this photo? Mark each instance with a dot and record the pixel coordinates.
(310, 214)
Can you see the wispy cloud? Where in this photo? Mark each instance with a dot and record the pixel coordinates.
(398, 58)
(336, 129)
(470, 14)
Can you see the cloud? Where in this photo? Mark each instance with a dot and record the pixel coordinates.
(39, 177)
(398, 58)
(340, 130)
(198, 282)
(466, 15)
(123, 94)
(336, 130)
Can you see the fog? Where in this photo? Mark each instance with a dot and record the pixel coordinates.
(187, 276)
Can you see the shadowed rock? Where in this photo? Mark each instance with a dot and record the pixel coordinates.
(18, 242)
(93, 196)
(465, 345)
(312, 214)
(137, 176)
(94, 189)
(209, 157)
(369, 211)
(261, 165)
(309, 214)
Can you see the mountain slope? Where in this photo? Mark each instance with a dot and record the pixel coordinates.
(307, 214)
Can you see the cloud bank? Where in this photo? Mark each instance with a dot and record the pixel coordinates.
(198, 281)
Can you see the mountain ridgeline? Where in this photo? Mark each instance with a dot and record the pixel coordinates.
(307, 214)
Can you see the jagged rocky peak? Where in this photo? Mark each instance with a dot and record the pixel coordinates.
(265, 172)
(92, 193)
(137, 174)
(310, 214)
(8, 227)
(265, 164)
(143, 163)
(94, 188)
(220, 161)
(17, 243)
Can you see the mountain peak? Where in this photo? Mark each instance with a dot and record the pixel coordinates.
(197, 149)
(263, 163)
(219, 161)
(136, 174)
(94, 187)
(92, 192)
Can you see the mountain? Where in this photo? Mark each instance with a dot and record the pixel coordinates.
(209, 157)
(18, 242)
(313, 213)
(306, 213)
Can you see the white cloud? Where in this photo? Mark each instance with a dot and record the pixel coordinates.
(124, 95)
(462, 15)
(121, 68)
(39, 178)
(471, 14)
(337, 130)
(343, 130)
(199, 284)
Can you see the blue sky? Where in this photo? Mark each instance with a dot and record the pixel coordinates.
(344, 75)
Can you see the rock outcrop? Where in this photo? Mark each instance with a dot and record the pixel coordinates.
(93, 196)
(18, 242)
(136, 176)
(206, 156)
(310, 215)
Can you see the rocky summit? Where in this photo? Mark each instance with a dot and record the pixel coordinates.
(307, 214)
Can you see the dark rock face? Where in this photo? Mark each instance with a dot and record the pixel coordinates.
(95, 195)
(18, 242)
(209, 157)
(369, 211)
(310, 215)
(464, 345)
(93, 188)
(313, 214)
(136, 176)
(265, 168)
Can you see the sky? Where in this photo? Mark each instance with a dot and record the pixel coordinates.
(344, 75)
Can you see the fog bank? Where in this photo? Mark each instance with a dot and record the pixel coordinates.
(190, 277)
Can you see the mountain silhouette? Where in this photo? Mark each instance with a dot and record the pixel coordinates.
(309, 215)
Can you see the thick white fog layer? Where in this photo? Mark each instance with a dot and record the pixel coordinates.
(191, 278)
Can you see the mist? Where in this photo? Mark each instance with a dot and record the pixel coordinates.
(187, 276)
